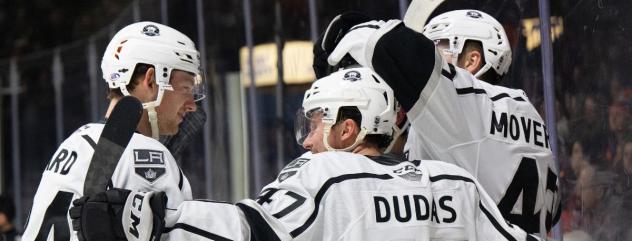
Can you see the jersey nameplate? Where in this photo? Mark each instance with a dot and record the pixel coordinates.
(414, 207)
(519, 128)
(149, 164)
(62, 162)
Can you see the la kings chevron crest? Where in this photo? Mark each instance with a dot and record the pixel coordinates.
(149, 164)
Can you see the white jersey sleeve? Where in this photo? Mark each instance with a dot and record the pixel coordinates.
(345, 196)
(145, 165)
(491, 131)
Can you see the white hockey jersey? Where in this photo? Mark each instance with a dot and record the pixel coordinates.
(146, 165)
(493, 132)
(346, 196)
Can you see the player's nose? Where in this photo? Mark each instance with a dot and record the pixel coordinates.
(307, 144)
(190, 106)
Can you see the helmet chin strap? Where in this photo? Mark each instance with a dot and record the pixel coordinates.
(398, 132)
(151, 113)
(359, 139)
(151, 107)
(482, 71)
(153, 121)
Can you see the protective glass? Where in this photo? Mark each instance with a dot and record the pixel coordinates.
(199, 86)
(193, 85)
(306, 122)
(450, 54)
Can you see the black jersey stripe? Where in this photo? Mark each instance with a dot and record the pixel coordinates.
(470, 90)
(495, 223)
(505, 95)
(500, 96)
(89, 140)
(323, 189)
(450, 177)
(450, 75)
(197, 231)
(259, 228)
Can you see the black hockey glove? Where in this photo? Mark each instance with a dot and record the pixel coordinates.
(327, 42)
(347, 37)
(320, 65)
(119, 214)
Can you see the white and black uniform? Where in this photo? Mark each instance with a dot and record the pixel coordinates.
(347, 196)
(146, 165)
(491, 131)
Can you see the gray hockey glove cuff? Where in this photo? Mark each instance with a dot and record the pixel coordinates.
(119, 214)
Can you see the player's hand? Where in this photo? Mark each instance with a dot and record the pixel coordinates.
(119, 214)
(329, 39)
(319, 63)
(346, 36)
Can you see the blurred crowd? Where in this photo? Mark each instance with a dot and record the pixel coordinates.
(594, 132)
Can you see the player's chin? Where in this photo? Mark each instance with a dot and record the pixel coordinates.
(170, 130)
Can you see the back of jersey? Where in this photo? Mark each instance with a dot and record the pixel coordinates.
(497, 135)
(346, 196)
(408, 206)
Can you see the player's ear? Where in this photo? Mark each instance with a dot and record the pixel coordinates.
(473, 61)
(149, 79)
(349, 130)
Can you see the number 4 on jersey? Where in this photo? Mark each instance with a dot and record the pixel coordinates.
(526, 181)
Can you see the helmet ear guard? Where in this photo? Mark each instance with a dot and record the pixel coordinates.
(161, 46)
(460, 26)
(354, 87)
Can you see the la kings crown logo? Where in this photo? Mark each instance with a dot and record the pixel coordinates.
(149, 164)
(150, 174)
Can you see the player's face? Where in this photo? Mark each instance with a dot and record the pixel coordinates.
(177, 103)
(314, 140)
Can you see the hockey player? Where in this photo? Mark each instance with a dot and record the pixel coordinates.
(346, 191)
(492, 131)
(159, 66)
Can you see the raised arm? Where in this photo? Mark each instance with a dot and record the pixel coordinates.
(404, 58)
